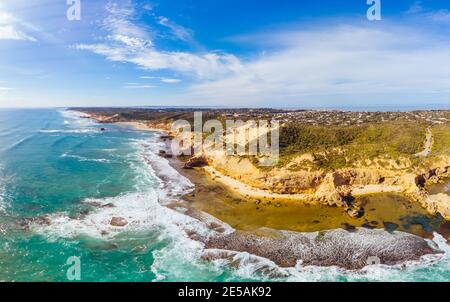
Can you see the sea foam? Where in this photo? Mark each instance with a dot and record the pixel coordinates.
(85, 159)
(181, 258)
(3, 180)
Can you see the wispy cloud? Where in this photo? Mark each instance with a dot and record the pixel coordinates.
(339, 64)
(130, 42)
(415, 8)
(162, 79)
(9, 28)
(137, 86)
(440, 16)
(178, 32)
(170, 81)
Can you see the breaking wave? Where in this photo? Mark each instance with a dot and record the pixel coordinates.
(85, 159)
(3, 180)
(78, 131)
(428, 268)
(181, 257)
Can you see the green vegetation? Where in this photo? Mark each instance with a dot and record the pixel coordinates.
(340, 146)
(441, 139)
(334, 139)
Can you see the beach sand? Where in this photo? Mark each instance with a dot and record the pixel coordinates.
(142, 127)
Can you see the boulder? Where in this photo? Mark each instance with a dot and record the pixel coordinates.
(196, 162)
(165, 154)
(356, 212)
(166, 137)
(118, 222)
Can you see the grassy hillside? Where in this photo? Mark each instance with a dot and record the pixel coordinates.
(339, 146)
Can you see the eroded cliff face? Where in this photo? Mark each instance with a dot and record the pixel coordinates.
(339, 187)
(434, 203)
(438, 203)
(335, 188)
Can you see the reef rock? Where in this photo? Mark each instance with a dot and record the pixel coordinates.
(350, 250)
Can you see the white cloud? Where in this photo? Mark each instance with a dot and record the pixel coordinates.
(120, 21)
(415, 8)
(179, 32)
(137, 86)
(10, 33)
(162, 79)
(129, 42)
(339, 64)
(439, 16)
(6, 88)
(344, 64)
(442, 15)
(9, 30)
(170, 81)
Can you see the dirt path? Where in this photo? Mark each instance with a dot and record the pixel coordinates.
(428, 144)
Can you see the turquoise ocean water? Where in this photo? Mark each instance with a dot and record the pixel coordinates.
(56, 165)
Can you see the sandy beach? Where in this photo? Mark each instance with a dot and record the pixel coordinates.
(246, 190)
(142, 127)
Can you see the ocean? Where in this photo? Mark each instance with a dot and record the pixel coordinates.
(61, 182)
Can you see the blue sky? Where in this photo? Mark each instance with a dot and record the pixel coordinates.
(224, 53)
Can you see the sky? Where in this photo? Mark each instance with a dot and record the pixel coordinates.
(272, 53)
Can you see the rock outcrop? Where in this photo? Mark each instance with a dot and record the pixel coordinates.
(165, 154)
(196, 162)
(350, 250)
(335, 188)
(439, 203)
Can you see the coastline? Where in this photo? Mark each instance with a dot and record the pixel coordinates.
(234, 189)
(246, 190)
(253, 192)
(230, 203)
(143, 127)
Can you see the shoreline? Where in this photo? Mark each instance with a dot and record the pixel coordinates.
(247, 241)
(141, 126)
(246, 190)
(254, 192)
(238, 188)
